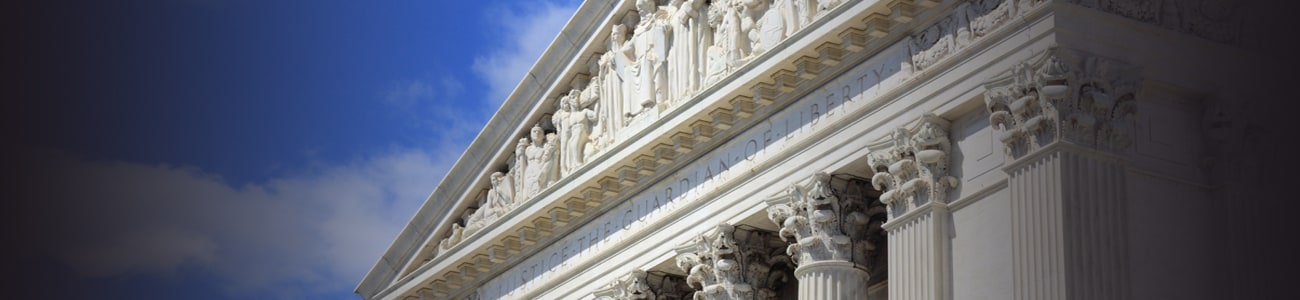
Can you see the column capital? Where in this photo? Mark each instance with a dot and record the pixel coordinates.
(1064, 95)
(911, 166)
(730, 262)
(831, 219)
(640, 284)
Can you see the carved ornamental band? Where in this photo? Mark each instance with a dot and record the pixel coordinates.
(1066, 96)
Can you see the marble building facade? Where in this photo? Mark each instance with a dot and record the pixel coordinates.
(824, 149)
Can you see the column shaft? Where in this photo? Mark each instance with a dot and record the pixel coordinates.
(831, 280)
(1068, 218)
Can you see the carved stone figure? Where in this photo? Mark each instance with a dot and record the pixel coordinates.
(477, 217)
(574, 123)
(684, 55)
(750, 12)
(590, 98)
(453, 238)
(501, 196)
(773, 27)
(520, 169)
(551, 160)
(642, 59)
(539, 162)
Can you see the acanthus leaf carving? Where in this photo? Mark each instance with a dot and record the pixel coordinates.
(640, 284)
(832, 219)
(730, 262)
(912, 166)
(1063, 95)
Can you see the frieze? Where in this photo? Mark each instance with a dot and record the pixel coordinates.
(869, 81)
(657, 55)
(968, 23)
(1222, 21)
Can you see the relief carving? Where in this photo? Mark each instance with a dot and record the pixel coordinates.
(656, 56)
(734, 263)
(912, 168)
(1222, 21)
(969, 22)
(1064, 96)
(574, 123)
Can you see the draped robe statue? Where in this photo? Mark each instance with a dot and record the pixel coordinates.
(574, 124)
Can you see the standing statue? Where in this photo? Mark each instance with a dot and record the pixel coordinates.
(731, 42)
(520, 170)
(590, 97)
(574, 124)
(647, 53)
(550, 160)
(687, 56)
(538, 163)
(628, 71)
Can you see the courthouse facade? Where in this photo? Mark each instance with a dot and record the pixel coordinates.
(823, 149)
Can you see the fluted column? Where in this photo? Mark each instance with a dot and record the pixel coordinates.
(831, 280)
(912, 171)
(1066, 119)
(830, 228)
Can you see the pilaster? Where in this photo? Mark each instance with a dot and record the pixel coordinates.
(912, 169)
(834, 234)
(1066, 120)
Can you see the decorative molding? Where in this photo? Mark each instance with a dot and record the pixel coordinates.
(734, 263)
(912, 166)
(640, 284)
(1222, 21)
(969, 22)
(833, 219)
(1063, 95)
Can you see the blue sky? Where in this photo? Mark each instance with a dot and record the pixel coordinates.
(238, 149)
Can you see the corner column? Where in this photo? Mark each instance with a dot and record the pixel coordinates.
(1066, 119)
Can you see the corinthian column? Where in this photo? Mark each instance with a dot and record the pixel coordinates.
(830, 227)
(1066, 120)
(912, 171)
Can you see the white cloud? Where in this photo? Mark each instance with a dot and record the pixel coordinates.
(405, 94)
(319, 230)
(524, 36)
